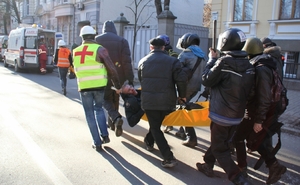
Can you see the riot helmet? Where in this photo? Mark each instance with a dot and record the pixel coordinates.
(253, 46)
(165, 38)
(187, 40)
(232, 39)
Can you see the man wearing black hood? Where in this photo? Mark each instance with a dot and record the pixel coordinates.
(119, 52)
(275, 51)
(261, 113)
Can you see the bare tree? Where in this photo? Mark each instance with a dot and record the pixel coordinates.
(207, 14)
(10, 9)
(137, 9)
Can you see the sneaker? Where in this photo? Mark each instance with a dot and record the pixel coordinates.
(244, 171)
(204, 168)
(168, 129)
(64, 91)
(169, 163)
(105, 139)
(240, 179)
(98, 148)
(110, 124)
(149, 146)
(180, 135)
(118, 123)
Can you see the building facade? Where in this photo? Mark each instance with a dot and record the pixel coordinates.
(277, 19)
(68, 16)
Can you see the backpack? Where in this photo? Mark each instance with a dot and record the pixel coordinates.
(279, 93)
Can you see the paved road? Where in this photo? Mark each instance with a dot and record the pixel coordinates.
(45, 140)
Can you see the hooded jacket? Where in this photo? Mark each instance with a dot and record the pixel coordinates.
(275, 51)
(231, 79)
(188, 58)
(118, 49)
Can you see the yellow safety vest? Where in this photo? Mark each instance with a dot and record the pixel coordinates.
(89, 73)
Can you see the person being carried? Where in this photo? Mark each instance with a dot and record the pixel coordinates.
(159, 75)
(92, 66)
(63, 59)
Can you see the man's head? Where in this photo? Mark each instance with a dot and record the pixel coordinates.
(232, 39)
(157, 43)
(187, 40)
(267, 42)
(253, 47)
(61, 43)
(87, 32)
(128, 89)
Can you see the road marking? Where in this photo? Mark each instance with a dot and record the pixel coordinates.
(35, 151)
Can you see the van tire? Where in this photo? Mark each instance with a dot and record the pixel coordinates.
(17, 69)
(4, 62)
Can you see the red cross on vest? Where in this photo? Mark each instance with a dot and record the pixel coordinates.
(83, 53)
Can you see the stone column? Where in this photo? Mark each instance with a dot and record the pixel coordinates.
(166, 24)
(120, 22)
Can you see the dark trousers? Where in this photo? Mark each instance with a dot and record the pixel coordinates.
(111, 102)
(244, 131)
(220, 150)
(155, 119)
(190, 130)
(63, 71)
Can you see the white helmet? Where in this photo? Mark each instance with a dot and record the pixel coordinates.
(87, 30)
(61, 43)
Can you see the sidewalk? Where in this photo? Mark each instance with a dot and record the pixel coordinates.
(291, 117)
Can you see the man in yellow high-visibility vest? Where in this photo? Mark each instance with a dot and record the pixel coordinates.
(92, 66)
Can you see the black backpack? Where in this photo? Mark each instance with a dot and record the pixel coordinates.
(279, 93)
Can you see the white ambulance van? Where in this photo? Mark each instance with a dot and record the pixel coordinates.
(22, 50)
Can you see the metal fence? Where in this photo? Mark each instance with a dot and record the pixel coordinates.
(291, 69)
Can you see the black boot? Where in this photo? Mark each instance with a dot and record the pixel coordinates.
(190, 142)
(241, 180)
(275, 172)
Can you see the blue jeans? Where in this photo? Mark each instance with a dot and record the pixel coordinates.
(63, 71)
(92, 102)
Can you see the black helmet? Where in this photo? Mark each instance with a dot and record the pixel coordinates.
(188, 39)
(253, 46)
(232, 39)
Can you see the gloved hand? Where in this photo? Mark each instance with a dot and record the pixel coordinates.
(206, 93)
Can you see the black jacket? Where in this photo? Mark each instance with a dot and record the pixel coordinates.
(260, 103)
(231, 79)
(159, 75)
(118, 50)
(275, 51)
(132, 106)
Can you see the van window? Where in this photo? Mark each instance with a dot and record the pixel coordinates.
(30, 42)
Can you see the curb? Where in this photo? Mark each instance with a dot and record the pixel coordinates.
(290, 130)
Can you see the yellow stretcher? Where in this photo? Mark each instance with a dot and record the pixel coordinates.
(184, 117)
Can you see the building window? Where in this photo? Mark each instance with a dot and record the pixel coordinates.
(65, 1)
(243, 10)
(291, 67)
(289, 9)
